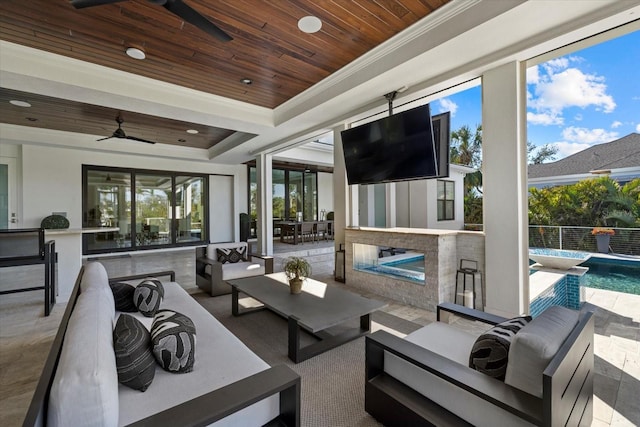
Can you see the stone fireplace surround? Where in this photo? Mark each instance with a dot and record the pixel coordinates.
(442, 250)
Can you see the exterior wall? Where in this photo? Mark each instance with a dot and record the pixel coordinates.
(441, 260)
(52, 179)
(325, 192)
(417, 207)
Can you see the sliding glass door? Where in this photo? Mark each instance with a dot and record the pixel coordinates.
(295, 195)
(148, 209)
(107, 203)
(153, 209)
(189, 208)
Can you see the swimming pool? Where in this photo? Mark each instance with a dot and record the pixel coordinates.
(613, 275)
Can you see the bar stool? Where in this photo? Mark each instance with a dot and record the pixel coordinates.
(468, 269)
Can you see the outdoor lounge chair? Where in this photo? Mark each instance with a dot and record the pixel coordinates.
(425, 378)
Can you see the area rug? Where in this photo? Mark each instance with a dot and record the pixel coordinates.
(332, 382)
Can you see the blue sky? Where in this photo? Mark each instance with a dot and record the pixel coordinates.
(584, 98)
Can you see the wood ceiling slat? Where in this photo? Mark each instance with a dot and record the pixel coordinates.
(55, 114)
(418, 8)
(267, 47)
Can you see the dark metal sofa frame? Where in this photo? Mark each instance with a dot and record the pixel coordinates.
(567, 381)
(201, 411)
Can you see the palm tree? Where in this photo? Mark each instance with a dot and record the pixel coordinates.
(466, 149)
(625, 205)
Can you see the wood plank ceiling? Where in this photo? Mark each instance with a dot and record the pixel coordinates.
(267, 47)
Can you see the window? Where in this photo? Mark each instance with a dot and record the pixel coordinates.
(446, 200)
(150, 209)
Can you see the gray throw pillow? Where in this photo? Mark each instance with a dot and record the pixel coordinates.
(173, 339)
(123, 297)
(134, 359)
(490, 352)
(148, 296)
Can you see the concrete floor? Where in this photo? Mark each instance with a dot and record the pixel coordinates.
(25, 335)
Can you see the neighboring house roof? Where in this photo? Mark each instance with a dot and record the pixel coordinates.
(620, 159)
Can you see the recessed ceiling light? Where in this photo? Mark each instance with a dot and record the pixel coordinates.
(310, 24)
(19, 103)
(192, 131)
(246, 81)
(135, 53)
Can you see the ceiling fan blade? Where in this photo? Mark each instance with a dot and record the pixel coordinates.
(102, 139)
(193, 17)
(80, 4)
(140, 139)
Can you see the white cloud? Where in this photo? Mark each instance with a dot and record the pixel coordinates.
(568, 148)
(572, 88)
(544, 119)
(556, 64)
(448, 105)
(558, 84)
(638, 128)
(588, 136)
(533, 75)
(616, 124)
(577, 139)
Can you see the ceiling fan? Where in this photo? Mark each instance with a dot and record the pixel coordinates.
(119, 133)
(176, 7)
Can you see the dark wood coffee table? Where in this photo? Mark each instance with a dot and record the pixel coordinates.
(317, 308)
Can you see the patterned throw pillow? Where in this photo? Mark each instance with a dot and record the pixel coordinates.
(134, 359)
(148, 296)
(123, 296)
(173, 340)
(231, 255)
(490, 353)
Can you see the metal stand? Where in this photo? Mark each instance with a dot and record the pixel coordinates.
(468, 269)
(339, 275)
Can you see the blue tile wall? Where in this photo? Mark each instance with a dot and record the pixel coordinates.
(555, 295)
(567, 292)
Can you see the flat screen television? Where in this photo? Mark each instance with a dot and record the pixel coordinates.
(396, 148)
(441, 124)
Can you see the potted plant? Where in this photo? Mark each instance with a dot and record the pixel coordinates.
(603, 235)
(296, 269)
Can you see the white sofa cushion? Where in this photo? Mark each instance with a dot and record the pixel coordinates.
(452, 343)
(241, 269)
(535, 345)
(221, 360)
(85, 388)
(94, 276)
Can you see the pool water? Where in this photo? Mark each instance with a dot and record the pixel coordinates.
(411, 269)
(413, 264)
(613, 275)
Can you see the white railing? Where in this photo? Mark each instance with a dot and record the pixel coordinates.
(625, 241)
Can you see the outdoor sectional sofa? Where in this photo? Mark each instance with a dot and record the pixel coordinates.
(425, 378)
(229, 384)
(212, 274)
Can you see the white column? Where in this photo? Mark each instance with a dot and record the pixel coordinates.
(504, 176)
(345, 197)
(390, 190)
(264, 179)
